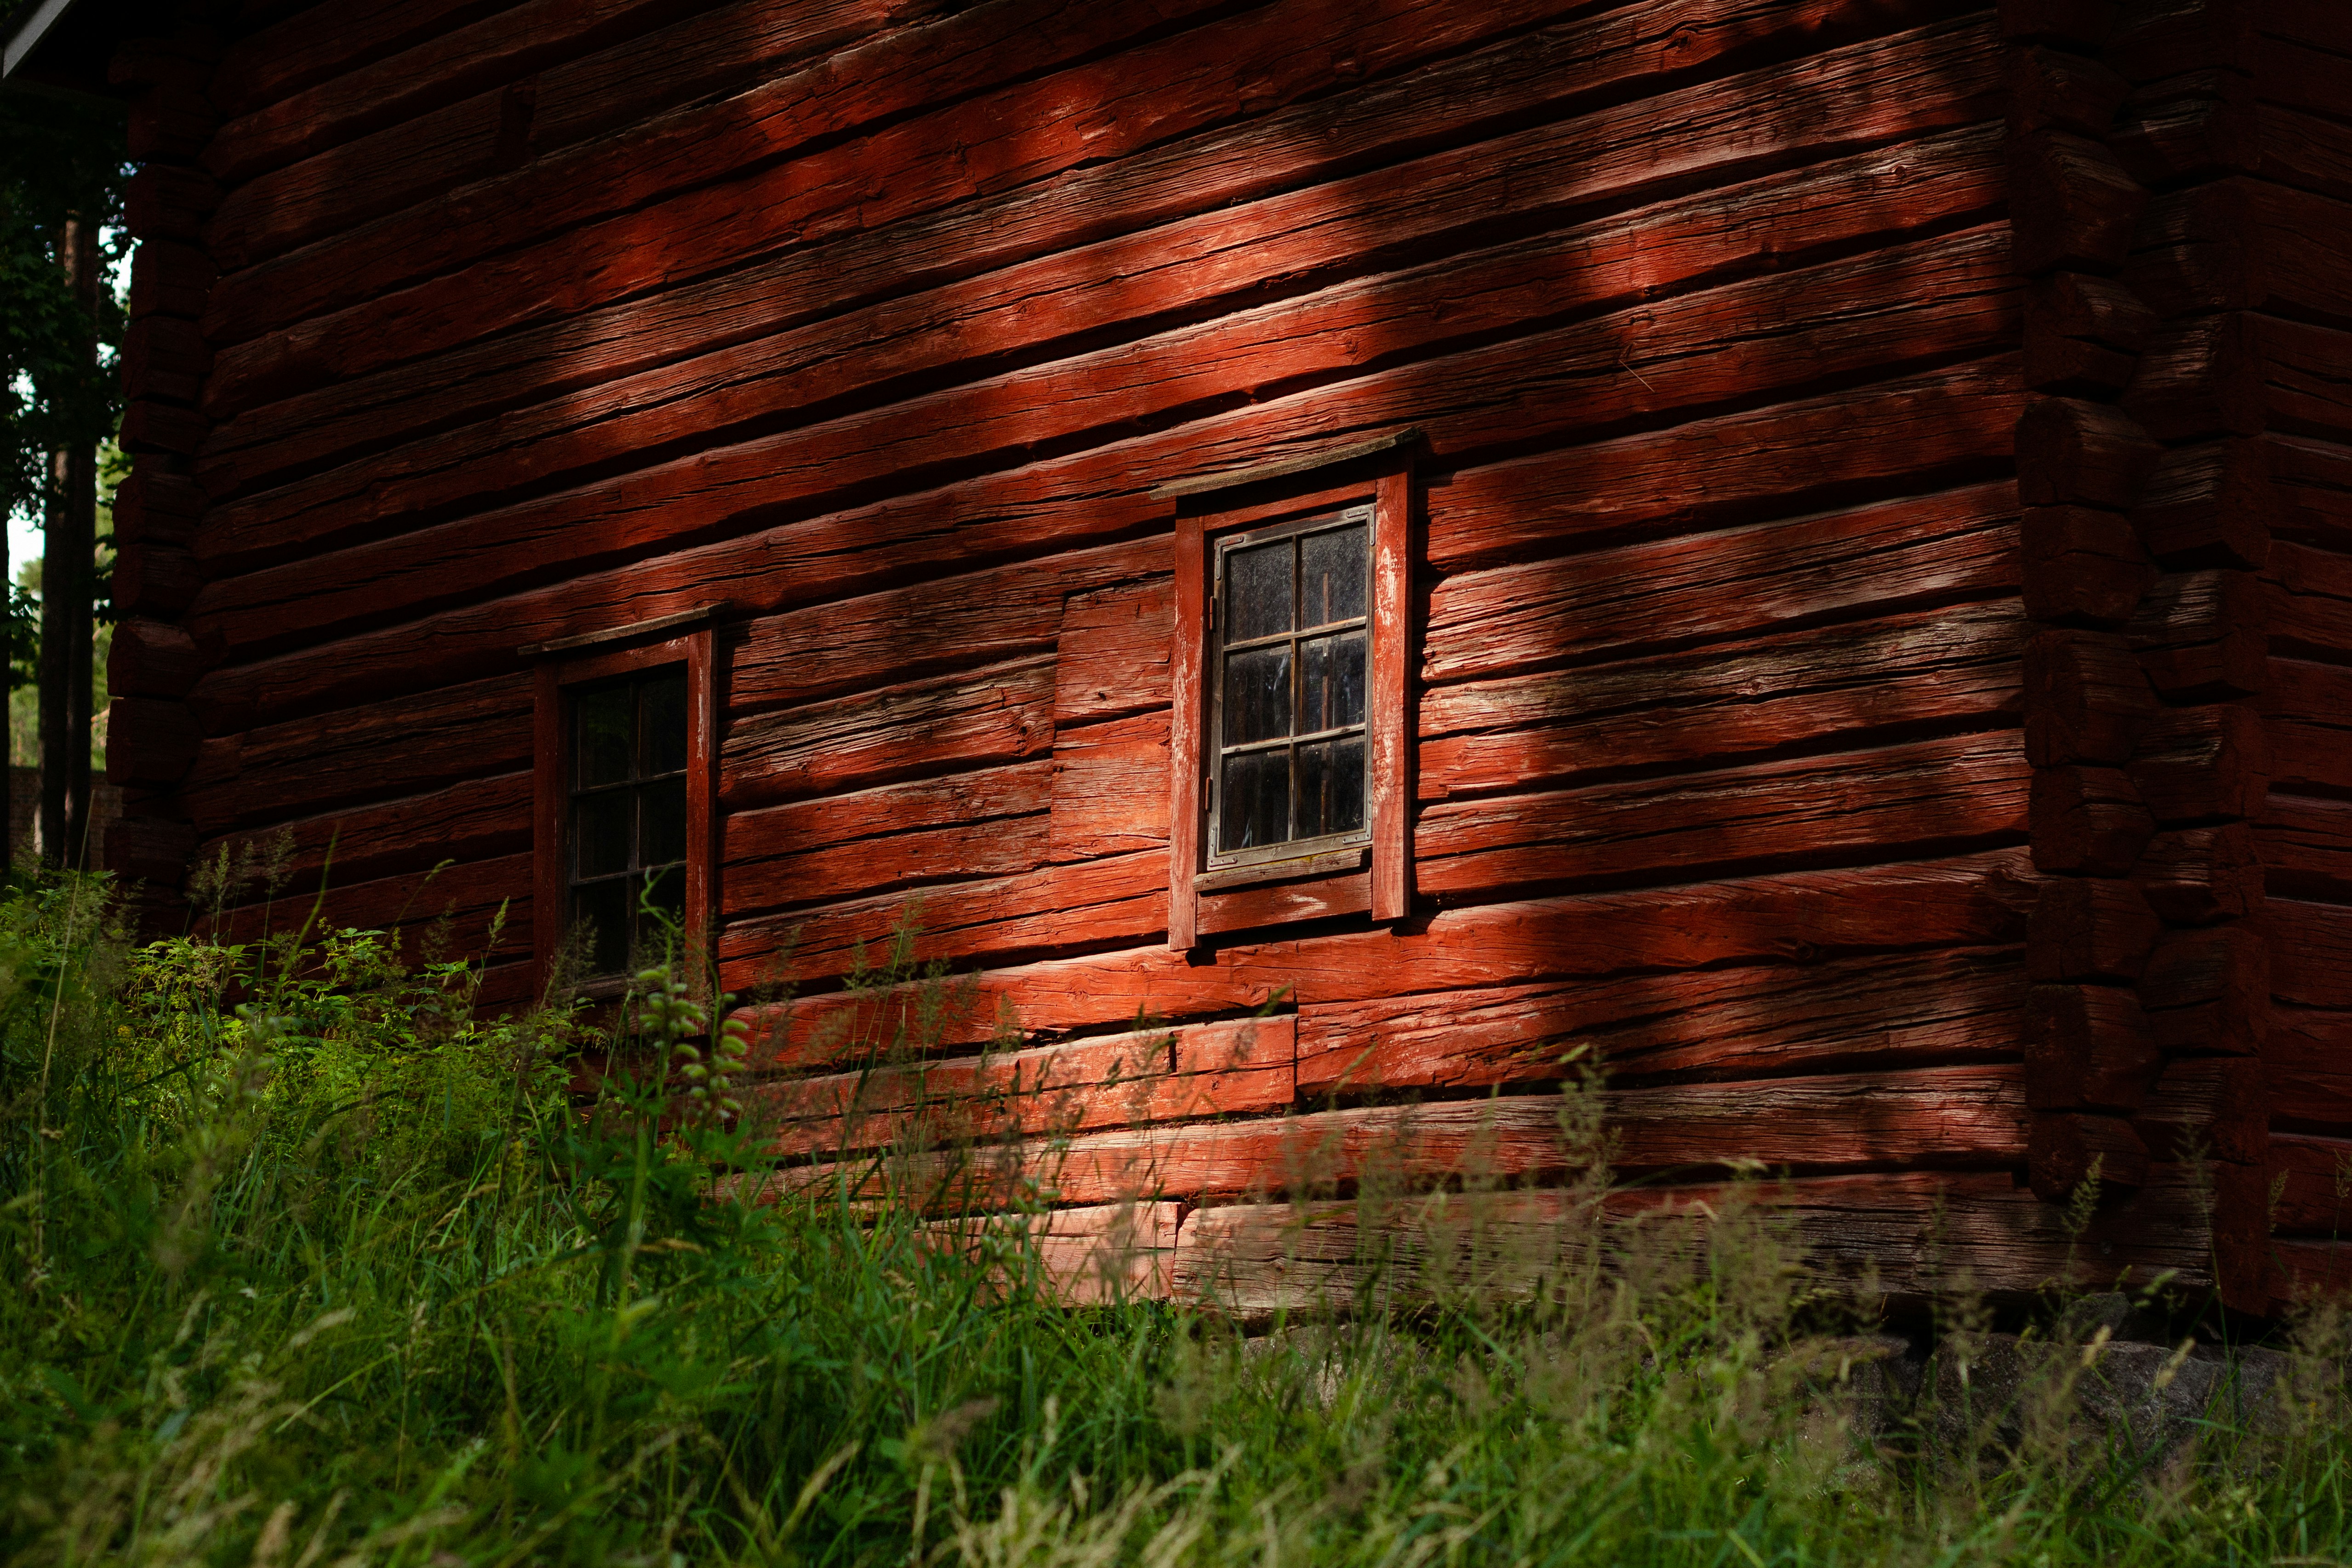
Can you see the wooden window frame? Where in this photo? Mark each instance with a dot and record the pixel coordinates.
(584, 660)
(1375, 878)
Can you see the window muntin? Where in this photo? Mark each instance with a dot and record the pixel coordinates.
(1293, 650)
(626, 819)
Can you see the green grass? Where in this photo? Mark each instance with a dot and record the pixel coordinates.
(342, 1276)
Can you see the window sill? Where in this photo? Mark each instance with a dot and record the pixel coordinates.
(1324, 865)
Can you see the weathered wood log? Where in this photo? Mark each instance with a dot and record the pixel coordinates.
(2307, 599)
(2093, 308)
(2073, 453)
(2066, 1149)
(1753, 1020)
(2236, 244)
(1188, 1073)
(155, 849)
(152, 659)
(2209, 991)
(2200, 875)
(2305, 844)
(2200, 379)
(1110, 788)
(986, 822)
(2083, 566)
(1969, 901)
(2080, 23)
(2085, 699)
(1755, 694)
(285, 56)
(1270, 906)
(2203, 636)
(169, 279)
(2208, 506)
(1001, 714)
(482, 911)
(2165, 37)
(168, 202)
(2090, 928)
(152, 426)
(474, 820)
(1723, 584)
(2049, 90)
(2311, 952)
(2308, 1061)
(154, 504)
(2068, 367)
(1952, 289)
(150, 742)
(2308, 740)
(2074, 205)
(2200, 763)
(2314, 1178)
(2208, 1107)
(154, 580)
(2087, 822)
(2087, 1047)
(1900, 801)
(1111, 659)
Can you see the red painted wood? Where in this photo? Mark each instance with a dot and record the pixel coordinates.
(476, 819)
(1110, 788)
(2050, 89)
(2311, 952)
(2208, 505)
(2073, 202)
(2216, 1105)
(2237, 245)
(2083, 566)
(2196, 763)
(1111, 657)
(2067, 1149)
(1188, 717)
(2210, 991)
(1390, 717)
(2199, 875)
(2309, 1069)
(2086, 699)
(2305, 844)
(2091, 928)
(989, 822)
(2074, 453)
(2087, 1047)
(2087, 822)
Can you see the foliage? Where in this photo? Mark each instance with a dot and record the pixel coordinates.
(310, 1264)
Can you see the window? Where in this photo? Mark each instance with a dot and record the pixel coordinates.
(626, 727)
(1288, 743)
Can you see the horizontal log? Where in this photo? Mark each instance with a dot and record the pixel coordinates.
(2090, 928)
(2068, 367)
(285, 56)
(1967, 901)
(2241, 373)
(2074, 205)
(1001, 714)
(2208, 506)
(2238, 244)
(2087, 1047)
(1755, 1020)
(2069, 1149)
(2313, 1176)
(168, 202)
(153, 426)
(153, 850)
(2311, 489)
(2307, 599)
(2085, 306)
(154, 504)
(2199, 875)
(1190, 1073)
(2200, 763)
(1952, 1114)
(2207, 137)
(2305, 845)
(475, 820)
(1740, 340)
(2074, 453)
(2311, 952)
(2210, 991)
(1110, 788)
(1896, 801)
(2085, 699)
(2087, 822)
(1718, 585)
(152, 659)
(382, 752)
(1917, 1236)
(2151, 42)
(2203, 636)
(1110, 1254)
(2083, 566)
(988, 822)
(1704, 706)
(153, 581)
(2051, 90)
(1111, 656)
(2208, 1107)
(2307, 1062)
(2079, 23)
(449, 913)
(163, 356)
(168, 279)
(991, 145)
(2305, 728)
(1267, 905)
(150, 742)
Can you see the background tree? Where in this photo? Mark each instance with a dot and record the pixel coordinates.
(63, 167)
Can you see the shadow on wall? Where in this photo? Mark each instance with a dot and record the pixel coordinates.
(25, 816)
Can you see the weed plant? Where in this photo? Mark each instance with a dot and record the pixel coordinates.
(309, 1266)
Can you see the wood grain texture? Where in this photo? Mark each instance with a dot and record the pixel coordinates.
(2305, 845)
(1110, 788)
(2311, 952)
(2307, 1062)
(2091, 928)
(1110, 658)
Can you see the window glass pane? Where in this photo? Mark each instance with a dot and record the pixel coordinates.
(1257, 694)
(601, 832)
(658, 932)
(605, 723)
(1256, 800)
(1257, 592)
(1331, 682)
(1331, 575)
(603, 907)
(1331, 787)
(662, 819)
(665, 725)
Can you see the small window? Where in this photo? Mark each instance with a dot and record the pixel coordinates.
(1290, 795)
(626, 734)
(627, 831)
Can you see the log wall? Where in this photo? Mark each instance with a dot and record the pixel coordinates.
(1836, 411)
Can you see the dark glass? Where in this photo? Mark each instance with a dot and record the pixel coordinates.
(662, 822)
(1330, 787)
(606, 908)
(1256, 800)
(1330, 682)
(1331, 576)
(665, 726)
(602, 831)
(606, 724)
(667, 897)
(1257, 592)
(1257, 694)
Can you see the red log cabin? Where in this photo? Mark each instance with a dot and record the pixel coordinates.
(1801, 547)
